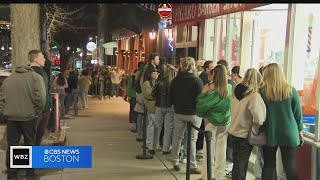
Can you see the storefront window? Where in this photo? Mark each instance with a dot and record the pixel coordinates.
(305, 58)
(233, 45)
(209, 39)
(221, 37)
(268, 37)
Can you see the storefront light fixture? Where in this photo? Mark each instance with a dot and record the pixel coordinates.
(152, 35)
(168, 33)
(68, 48)
(2, 48)
(10, 48)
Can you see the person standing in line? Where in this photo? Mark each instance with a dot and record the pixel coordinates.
(131, 95)
(184, 90)
(164, 110)
(73, 92)
(235, 74)
(139, 108)
(84, 83)
(116, 78)
(284, 123)
(22, 100)
(199, 67)
(153, 63)
(150, 103)
(207, 66)
(37, 63)
(247, 110)
(213, 104)
(59, 85)
(101, 84)
(258, 164)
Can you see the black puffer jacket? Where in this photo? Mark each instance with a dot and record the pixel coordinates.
(161, 93)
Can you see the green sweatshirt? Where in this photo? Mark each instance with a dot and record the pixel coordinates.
(22, 95)
(284, 120)
(216, 109)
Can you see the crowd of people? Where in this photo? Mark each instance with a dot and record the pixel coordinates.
(230, 104)
(167, 97)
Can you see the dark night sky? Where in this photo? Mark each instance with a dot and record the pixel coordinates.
(76, 39)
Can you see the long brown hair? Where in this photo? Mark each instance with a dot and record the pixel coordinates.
(220, 80)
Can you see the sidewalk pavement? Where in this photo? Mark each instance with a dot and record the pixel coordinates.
(106, 128)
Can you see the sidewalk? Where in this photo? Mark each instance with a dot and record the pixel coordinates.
(105, 127)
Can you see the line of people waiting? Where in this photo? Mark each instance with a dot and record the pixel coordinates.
(227, 105)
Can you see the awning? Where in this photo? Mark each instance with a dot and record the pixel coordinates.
(191, 14)
(109, 47)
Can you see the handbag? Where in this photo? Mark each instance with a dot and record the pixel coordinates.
(257, 139)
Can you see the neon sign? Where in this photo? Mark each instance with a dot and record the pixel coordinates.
(170, 43)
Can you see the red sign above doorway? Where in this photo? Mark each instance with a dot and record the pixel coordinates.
(164, 10)
(187, 13)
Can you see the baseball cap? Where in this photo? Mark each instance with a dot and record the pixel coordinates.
(156, 70)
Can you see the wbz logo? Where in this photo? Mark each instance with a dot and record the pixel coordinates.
(20, 156)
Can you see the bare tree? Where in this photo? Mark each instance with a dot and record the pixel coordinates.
(62, 17)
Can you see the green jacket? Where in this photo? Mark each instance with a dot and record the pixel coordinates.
(130, 87)
(284, 120)
(214, 108)
(22, 95)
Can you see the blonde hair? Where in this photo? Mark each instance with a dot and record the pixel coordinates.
(253, 79)
(220, 80)
(275, 84)
(170, 72)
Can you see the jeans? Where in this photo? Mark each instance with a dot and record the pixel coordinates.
(14, 131)
(132, 113)
(139, 123)
(180, 123)
(150, 132)
(258, 164)
(288, 159)
(184, 144)
(219, 141)
(115, 89)
(163, 115)
(84, 97)
(73, 97)
(42, 123)
(201, 136)
(241, 154)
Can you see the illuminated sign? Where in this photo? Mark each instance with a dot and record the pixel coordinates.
(164, 10)
(170, 43)
(91, 46)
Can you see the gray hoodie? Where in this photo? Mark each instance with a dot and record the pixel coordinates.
(22, 95)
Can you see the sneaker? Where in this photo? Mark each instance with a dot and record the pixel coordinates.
(229, 174)
(200, 151)
(195, 171)
(184, 160)
(176, 168)
(166, 152)
(151, 152)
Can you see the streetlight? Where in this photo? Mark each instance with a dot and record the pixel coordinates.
(68, 48)
(2, 48)
(90, 38)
